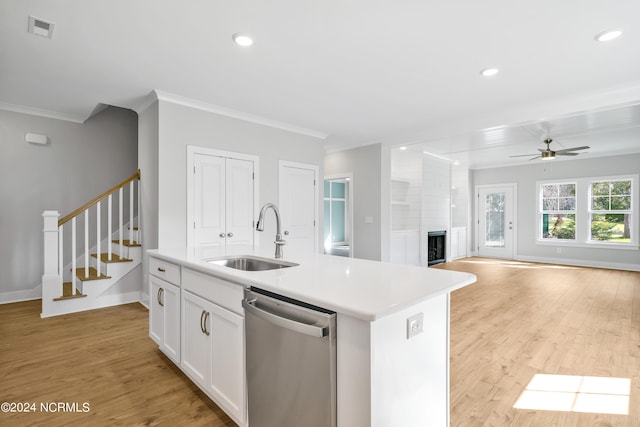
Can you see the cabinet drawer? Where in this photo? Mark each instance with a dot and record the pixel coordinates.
(165, 270)
(226, 294)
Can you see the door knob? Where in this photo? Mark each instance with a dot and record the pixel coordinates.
(286, 233)
(222, 235)
(229, 234)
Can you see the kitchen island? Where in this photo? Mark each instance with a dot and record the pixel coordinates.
(392, 326)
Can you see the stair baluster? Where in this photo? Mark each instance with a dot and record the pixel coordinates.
(73, 254)
(87, 261)
(120, 223)
(131, 239)
(109, 230)
(98, 238)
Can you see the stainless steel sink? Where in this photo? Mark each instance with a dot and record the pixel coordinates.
(251, 263)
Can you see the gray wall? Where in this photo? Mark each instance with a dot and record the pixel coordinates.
(148, 165)
(526, 177)
(371, 169)
(79, 162)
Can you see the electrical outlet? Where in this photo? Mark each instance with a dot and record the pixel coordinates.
(415, 325)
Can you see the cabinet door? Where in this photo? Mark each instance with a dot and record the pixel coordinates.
(195, 341)
(170, 298)
(208, 200)
(239, 201)
(156, 311)
(227, 380)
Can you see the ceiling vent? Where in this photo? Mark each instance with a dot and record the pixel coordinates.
(40, 28)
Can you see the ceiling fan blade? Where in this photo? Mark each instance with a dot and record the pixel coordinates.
(533, 158)
(585, 147)
(524, 155)
(566, 154)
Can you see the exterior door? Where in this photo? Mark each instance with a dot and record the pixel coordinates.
(298, 206)
(496, 221)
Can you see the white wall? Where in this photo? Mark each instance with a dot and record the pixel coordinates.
(182, 125)
(148, 165)
(527, 175)
(371, 169)
(79, 162)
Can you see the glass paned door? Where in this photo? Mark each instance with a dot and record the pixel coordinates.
(495, 220)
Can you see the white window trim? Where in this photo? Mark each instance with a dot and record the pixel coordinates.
(583, 223)
(540, 238)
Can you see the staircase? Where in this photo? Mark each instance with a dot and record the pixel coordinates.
(106, 270)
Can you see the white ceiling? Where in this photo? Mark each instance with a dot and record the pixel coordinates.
(357, 71)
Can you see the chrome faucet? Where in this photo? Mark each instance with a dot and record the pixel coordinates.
(260, 227)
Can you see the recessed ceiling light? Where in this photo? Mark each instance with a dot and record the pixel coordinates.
(403, 148)
(489, 72)
(242, 39)
(608, 35)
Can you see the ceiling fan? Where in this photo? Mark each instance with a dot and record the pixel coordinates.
(549, 154)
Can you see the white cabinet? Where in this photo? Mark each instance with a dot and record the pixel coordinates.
(221, 200)
(164, 309)
(405, 247)
(213, 352)
(458, 242)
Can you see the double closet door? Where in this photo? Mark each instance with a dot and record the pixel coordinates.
(222, 200)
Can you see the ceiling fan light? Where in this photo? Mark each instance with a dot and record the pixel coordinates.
(608, 35)
(548, 155)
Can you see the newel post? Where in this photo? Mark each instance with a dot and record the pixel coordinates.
(51, 280)
(50, 242)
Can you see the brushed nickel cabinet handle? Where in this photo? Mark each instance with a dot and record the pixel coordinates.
(202, 321)
(160, 291)
(161, 270)
(206, 317)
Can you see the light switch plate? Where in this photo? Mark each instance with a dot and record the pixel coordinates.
(368, 220)
(415, 325)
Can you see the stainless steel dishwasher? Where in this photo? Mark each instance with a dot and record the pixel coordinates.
(291, 361)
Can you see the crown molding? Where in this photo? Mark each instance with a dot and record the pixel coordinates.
(42, 113)
(228, 112)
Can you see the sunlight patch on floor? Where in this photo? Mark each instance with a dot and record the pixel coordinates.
(574, 393)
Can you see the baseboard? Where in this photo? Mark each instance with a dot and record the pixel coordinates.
(580, 263)
(17, 296)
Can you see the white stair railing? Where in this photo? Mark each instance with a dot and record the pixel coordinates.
(54, 253)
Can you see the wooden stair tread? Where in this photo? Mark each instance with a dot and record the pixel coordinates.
(114, 258)
(67, 292)
(93, 274)
(127, 242)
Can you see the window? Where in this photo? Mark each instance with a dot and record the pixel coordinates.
(558, 211)
(335, 213)
(610, 211)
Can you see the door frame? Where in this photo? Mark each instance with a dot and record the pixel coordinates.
(194, 149)
(316, 172)
(348, 176)
(476, 221)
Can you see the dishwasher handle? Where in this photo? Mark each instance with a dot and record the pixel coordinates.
(303, 328)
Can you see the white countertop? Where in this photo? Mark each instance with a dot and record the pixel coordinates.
(359, 288)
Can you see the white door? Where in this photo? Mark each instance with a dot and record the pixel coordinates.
(208, 200)
(298, 209)
(239, 201)
(496, 221)
(223, 200)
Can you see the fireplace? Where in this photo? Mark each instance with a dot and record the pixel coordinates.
(436, 247)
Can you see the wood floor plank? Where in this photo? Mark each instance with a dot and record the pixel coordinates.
(522, 319)
(103, 357)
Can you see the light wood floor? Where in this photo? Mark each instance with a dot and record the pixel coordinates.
(103, 357)
(518, 320)
(522, 319)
